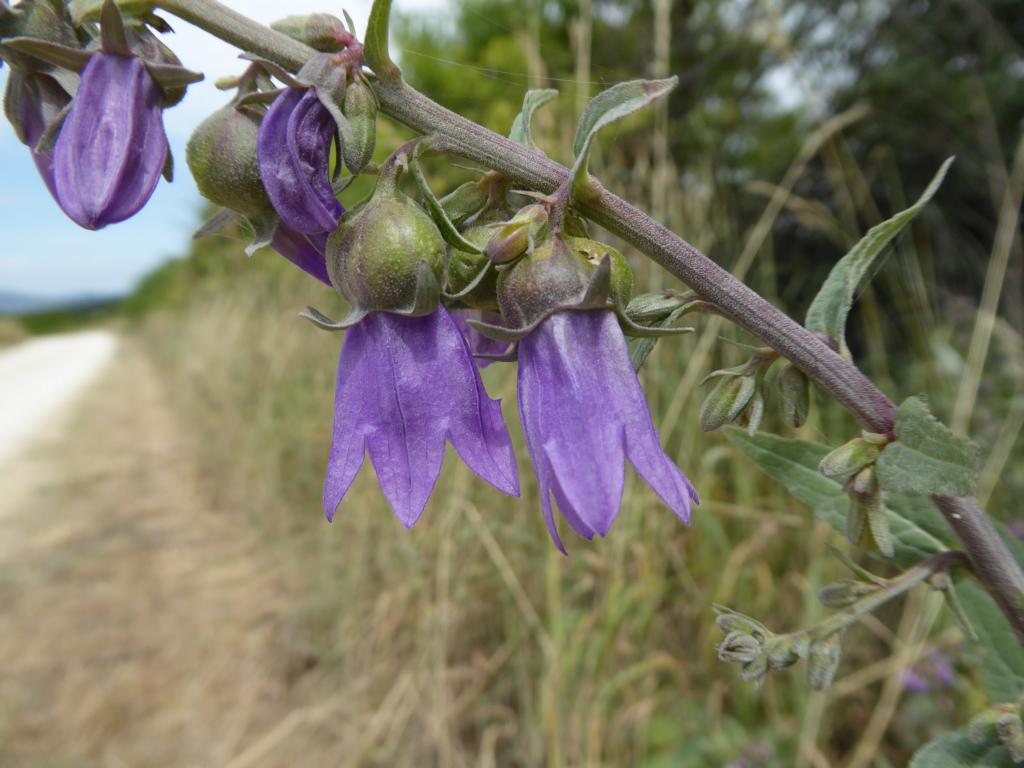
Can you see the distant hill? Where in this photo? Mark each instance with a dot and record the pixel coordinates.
(13, 303)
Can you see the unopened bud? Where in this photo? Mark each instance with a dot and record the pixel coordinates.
(823, 658)
(464, 268)
(739, 647)
(321, 31)
(842, 594)
(730, 621)
(465, 201)
(360, 139)
(649, 308)
(795, 388)
(513, 240)
(726, 401)
(849, 458)
(783, 651)
(867, 505)
(1011, 735)
(751, 416)
(755, 670)
(222, 157)
(984, 726)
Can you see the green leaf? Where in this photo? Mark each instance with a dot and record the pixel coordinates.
(448, 230)
(958, 750)
(918, 529)
(532, 101)
(1001, 661)
(617, 102)
(831, 306)
(927, 456)
(375, 44)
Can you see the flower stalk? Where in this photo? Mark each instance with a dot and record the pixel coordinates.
(989, 557)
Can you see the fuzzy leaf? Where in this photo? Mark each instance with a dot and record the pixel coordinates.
(375, 50)
(1002, 659)
(927, 457)
(437, 213)
(532, 101)
(617, 102)
(917, 527)
(831, 306)
(957, 750)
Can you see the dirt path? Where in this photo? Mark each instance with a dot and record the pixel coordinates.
(141, 627)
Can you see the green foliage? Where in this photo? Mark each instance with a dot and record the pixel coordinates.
(1002, 658)
(927, 456)
(522, 131)
(831, 306)
(378, 57)
(917, 527)
(958, 750)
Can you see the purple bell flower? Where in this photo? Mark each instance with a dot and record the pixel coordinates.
(405, 386)
(583, 414)
(304, 251)
(111, 149)
(294, 150)
(36, 100)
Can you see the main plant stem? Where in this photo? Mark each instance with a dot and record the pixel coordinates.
(990, 559)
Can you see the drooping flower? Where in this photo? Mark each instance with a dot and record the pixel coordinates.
(584, 414)
(406, 385)
(294, 150)
(111, 149)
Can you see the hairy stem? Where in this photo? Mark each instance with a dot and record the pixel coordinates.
(989, 556)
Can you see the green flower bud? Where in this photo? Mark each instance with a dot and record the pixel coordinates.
(465, 201)
(739, 647)
(755, 670)
(650, 308)
(513, 240)
(222, 157)
(842, 594)
(726, 401)
(867, 505)
(1011, 735)
(823, 658)
(783, 651)
(795, 388)
(849, 458)
(751, 416)
(464, 267)
(360, 139)
(321, 31)
(984, 726)
(552, 276)
(387, 255)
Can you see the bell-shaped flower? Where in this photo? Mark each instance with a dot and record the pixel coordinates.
(112, 148)
(584, 414)
(407, 385)
(294, 150)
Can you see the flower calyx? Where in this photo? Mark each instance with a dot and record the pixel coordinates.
(387, 255)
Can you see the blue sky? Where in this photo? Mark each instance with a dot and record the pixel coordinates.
(42, 252)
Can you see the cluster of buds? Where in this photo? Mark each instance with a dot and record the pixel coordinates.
(739, 395)
(1003, 724)
(88, 102)
(759, 651)
(853, 463)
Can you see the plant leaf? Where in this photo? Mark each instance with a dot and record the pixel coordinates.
(375, 45)
(831, 306)
(617, 102)
(918, 529)
(927, 456)
(437, 213)
(1001, 662)
(532, 101)
(957, 750)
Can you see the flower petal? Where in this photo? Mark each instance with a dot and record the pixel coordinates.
(583, 412)
(416, 387)
(293, 151)
(478, 343)
(304, 251)
(111, 149)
